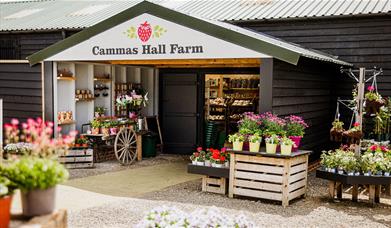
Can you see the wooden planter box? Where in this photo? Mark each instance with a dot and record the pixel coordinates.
(268, 176)
(215, 179)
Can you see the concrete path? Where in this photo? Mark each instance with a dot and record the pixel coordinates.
(134, 182)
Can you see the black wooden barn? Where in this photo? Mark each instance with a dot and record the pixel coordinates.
(361, 36)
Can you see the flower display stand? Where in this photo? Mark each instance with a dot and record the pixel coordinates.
(214, 180)
(268, 176)
(337, 181)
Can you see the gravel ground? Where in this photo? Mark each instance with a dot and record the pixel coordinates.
(114, 165)
(128, 212)
(190, 192)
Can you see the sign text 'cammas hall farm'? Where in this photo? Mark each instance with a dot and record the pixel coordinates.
(144, 32)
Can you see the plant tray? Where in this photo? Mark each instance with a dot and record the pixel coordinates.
(346, 179)
(208, 171)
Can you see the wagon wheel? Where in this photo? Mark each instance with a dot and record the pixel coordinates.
(125, 147)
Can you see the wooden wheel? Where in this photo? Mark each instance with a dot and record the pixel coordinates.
(125, 146)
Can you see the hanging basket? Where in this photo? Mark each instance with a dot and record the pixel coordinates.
(336, 134)
(373, 107)
(353, 137)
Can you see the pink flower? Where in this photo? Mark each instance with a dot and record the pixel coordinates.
(373, 147)
(371, 88)
(73, 133)
(199, 149)
(356, 124)
(223, 150)
(14, 121)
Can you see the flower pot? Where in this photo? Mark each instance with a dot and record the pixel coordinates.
(194, 162)
(105, 131)
(84, 145)
(238, 146)
(368, 173)
(350, 173)
(246, 146)
(357, 173)
(95, 131)
(113, 130)
(296, 140)
(271, 148)
(286, 149)
(38, 202)
(5, 208)
(217, 165)
(254, 147)
(387, 174)
(77, 145)
(340, 171)
(332, 170)
(379, 173)
(226, 164)
(208, 163)
(200, 163)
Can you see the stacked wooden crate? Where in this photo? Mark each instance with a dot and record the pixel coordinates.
(273, 177)
(78, 158)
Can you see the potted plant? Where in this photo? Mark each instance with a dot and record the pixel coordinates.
(336, 131)
(295, 127)
(81, 142)
(349, 163)
(95, 126)
(208, 155)
(287, 145)
(237, 141)
(387, 167)
(373, 101)
(105, 128)
(37, 179)
(99, 111)
(6, 191)
(354, 134)
(255, 142)
(114, 127)
(201, 158)
(218, 159)
(272, 125)
(271, 144)
(194, 157)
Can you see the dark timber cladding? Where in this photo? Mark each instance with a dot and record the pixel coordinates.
(363, 41)
(21, 90)
(305, 90)
(21, 45)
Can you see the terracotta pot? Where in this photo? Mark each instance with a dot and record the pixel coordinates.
(5, 208)
(84, 145)
(113, 130)
(95, 131)
(105, 131)
(38, 202)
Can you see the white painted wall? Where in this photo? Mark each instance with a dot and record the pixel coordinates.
(84, 80)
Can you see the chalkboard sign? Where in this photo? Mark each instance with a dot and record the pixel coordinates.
(152, 124)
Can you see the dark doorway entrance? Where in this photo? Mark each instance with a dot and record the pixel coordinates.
(179, 112)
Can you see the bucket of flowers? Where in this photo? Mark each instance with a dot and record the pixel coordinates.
(255, 142)
(271, 144)
(373, 101)
(272, 124)
(133, 101)
(354, 134)
(237, 141)
(295, 127)
(328, 161)
(336, 131)
(287, 145)
(198, 157)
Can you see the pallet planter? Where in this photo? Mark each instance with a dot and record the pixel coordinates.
(78, 158)
(268, 176)
(215, 179)
(336, 182)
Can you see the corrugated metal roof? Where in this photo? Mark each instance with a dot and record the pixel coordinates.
(259, 42)
(57, 14)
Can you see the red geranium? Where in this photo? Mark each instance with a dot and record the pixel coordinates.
(222, 158)
(356, 124)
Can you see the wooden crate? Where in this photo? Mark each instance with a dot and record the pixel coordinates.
(275, 178)
(214, 184)
(78, 158)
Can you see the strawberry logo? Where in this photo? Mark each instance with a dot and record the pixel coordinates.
(144, 31)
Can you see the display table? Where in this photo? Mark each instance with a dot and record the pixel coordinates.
(268, 176)
(336, 182)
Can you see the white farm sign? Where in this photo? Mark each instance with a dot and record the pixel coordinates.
(149, 37)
